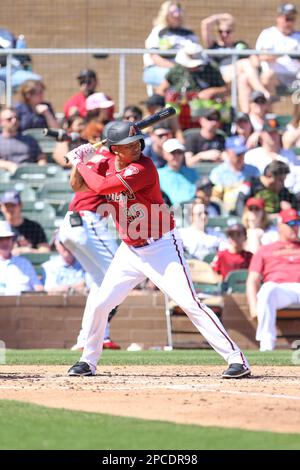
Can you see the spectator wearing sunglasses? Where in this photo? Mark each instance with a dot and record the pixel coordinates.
(207, 143)
(260, 230)
(259, 108)
(235, 256)
(285, 69)
(274, 278)
(218, 33)
(158, 135)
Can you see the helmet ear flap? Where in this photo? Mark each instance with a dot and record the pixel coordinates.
(142, 144)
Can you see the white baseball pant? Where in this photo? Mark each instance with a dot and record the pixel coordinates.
(164, 264)
(271, 297)
(94, 248)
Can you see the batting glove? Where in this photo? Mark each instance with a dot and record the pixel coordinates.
(80, 154)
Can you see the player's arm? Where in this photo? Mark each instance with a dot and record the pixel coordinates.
(252, 288)
(77, 182)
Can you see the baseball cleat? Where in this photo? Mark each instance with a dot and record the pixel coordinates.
(81, 369)
(109, 344)
(236, 371)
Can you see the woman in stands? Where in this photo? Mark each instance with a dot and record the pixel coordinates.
(32, 110)
(260, 230)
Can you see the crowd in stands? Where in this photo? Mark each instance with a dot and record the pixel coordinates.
(239, 168)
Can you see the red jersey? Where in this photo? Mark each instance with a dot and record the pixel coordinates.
(133, 198)
(278, 262)
(224, 262)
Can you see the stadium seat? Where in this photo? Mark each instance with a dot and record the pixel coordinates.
(37, 259)
(4, 176)
(218, 222)
(56, 193)
(26, 192)
(47, 144)
(235, 282)
(205, 168)
(38, 210)
(208, 258)
(37, 175)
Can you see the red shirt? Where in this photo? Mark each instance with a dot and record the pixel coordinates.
(133, 198)
(278, 262)
(77, 100)
(224, 262)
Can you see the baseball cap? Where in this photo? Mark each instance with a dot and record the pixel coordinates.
(5, 229)
(86, 74)
(98, 100)
(208, 112)
(191, 55)
(204, 183)
(233, 225)
(155, 100)
(10, 197)
(242, 117)
(287, 9)
(255, 201)
(236, 143)
(257, 95)
(171, 145)
(289, 216)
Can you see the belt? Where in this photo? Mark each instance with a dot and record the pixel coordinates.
(147, 242)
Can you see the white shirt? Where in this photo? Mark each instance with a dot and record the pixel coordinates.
(259, 158)
(17, 275)
(199, 244)
(271, 39)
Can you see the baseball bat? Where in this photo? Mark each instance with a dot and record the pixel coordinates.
(143, 123)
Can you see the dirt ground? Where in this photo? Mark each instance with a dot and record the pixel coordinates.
(269, 400)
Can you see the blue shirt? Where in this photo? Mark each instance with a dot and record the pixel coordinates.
(179, 186)
(17, 275)
(57, 273)
(224, 175)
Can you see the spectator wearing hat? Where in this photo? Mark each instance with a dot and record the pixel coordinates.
(285, 69)
(32, 109)
(29, 235)
(157, 102)
(203, 196)
(193, 77)
(259, 106)
(208, 143)
(270, 149)
(197, 240)
(235, 257)
(88, 82)
(17, 274)
(260, 230)
(176, 180)
(269, 187)
(242, 127)
(132, 113)
(168, 32)
(158, 134)
(218, 33)
(16, 148)
(274, 278)
(228, 176)
(100, 111)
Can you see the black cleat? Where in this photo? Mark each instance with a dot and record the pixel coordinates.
(80, 369)
(236, 371)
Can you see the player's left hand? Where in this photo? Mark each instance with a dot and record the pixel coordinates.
(80, 154)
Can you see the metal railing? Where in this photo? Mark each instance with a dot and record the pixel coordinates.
(123, 53)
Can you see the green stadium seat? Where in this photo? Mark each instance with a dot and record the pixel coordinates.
(4, 176)
(37, 259)
(235, 282)
(208, 258)
(38, 210)
(47, 144)
(283, 120)
(205, 168)
(56, 193)
(26, 192)
(219, 221)
(37, 175)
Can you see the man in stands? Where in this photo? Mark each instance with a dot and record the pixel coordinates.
(87, 86)
(277, 266)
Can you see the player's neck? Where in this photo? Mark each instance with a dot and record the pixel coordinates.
(120, 163)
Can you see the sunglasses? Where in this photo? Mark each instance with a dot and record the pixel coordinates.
(254, 208)
(293, 223)
(225, 31)
(214, 117)
(290, 19)
(260, 101)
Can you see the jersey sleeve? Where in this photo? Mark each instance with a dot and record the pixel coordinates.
(133, 178)
(257, 263)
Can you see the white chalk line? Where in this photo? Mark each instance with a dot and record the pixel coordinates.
(179, 387)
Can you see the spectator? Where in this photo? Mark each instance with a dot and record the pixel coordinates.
(168, 33)
(29, 235)
(193, 77)
(259, 107)
(157, 102)
(207, 144)
(203, 196)
(17, 274)
(132, 113)
(32, 110)
(176, 180)
(242, 127)
(291, 137)
(197, 241)
(247, 67)
(282, 70)
(63, 273)
(100, 111)
(235, 257)
(16, 148)
(75, 125)
(20, 64)
(270, 148)
(228, 176)
(154, 148)
(260, 230)
(277, 266)
(270, 188)
(87, 86)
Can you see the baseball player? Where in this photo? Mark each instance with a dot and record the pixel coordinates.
(151, 247)
(84, 232)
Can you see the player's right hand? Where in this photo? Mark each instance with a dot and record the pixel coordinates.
(80, 154)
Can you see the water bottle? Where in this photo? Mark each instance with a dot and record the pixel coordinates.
(21, 42)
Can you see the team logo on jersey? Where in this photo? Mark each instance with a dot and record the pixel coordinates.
(131, 170)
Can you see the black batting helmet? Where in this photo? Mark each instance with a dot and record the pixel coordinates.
(124, 132)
